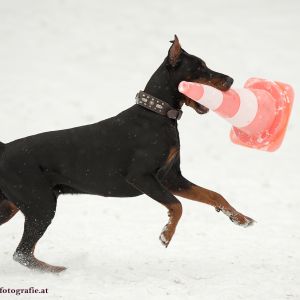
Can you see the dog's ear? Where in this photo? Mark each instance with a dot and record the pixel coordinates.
(174, 52)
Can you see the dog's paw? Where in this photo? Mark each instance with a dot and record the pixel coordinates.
(238, 218)
(31, 262)
(241, 220)
(166, 236)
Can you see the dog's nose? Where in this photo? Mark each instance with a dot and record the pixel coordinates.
(226, 83)
(229, 81)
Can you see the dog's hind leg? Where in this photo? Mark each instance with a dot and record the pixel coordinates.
(37, 220)
(37, 201)
(7, 211)
(34, 196)
(38, 216)
(34, 227)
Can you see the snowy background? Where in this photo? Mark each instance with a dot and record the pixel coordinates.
(59, 62)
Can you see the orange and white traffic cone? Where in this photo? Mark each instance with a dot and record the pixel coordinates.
(259, 112)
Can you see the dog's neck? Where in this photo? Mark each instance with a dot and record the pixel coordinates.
(157, 105)
(161, 86)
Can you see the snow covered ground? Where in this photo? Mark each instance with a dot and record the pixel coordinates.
(59, 62)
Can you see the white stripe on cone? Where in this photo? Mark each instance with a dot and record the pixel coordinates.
(212, 98)
(247, 110)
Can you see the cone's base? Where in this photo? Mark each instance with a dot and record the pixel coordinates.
(271, 139)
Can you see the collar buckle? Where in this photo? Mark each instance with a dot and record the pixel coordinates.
(174, 114)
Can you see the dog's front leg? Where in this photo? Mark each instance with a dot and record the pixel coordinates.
(180, 186)
(197, 193)
(149, 185)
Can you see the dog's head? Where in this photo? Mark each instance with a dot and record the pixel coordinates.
(187, 67)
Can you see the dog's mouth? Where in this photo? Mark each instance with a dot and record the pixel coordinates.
(199, 108)
(223, 85)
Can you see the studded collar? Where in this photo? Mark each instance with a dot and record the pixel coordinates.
(156, 105)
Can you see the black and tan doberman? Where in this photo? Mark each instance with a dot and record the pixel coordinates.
(135, 152)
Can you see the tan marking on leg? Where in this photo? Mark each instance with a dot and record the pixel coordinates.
(172, 154)
(7, 211)
(214, 199)
(200, 194)
(174, 213)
